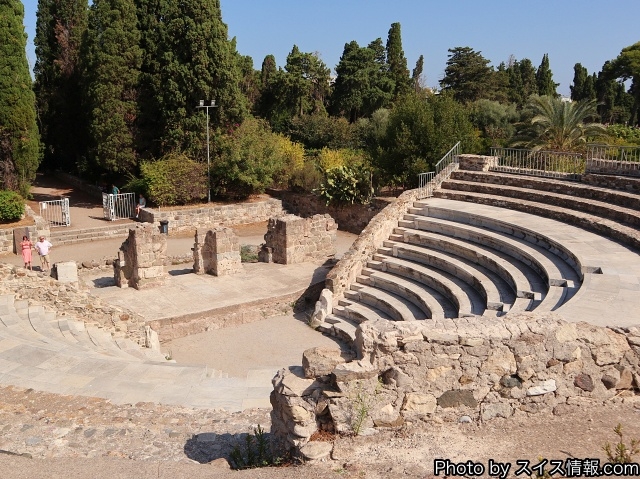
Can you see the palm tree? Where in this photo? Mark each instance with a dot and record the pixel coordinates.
(558, 125)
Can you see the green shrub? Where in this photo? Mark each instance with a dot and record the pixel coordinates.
(347, 185)
(255, 452)
(250, 159)
(174, 180)
(11, 206)
(319, 131)
(307, 179)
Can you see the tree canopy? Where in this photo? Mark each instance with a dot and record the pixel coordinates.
(467, 75)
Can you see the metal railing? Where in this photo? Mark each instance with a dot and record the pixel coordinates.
(56, 212)
(550, 164)
(120, 206)
(428, 182)
(616, 160)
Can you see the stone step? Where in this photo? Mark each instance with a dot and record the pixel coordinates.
(616, 213)
(431, 302)
(548, 265)
(625, 234)
(495, 291)
(523, 280)
(626, 199)
(342, 328)
(463, 296)
(629, 184)
(359, 312)
(398, 308)
(494, 224)
(45, 323)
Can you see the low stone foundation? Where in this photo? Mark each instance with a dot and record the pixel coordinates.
(458, 370)
(216, 252)
(291, 239)
(141, 258)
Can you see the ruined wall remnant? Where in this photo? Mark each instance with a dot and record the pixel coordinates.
(141, 258)
(217, 252)
(480, 368)
(291, 239)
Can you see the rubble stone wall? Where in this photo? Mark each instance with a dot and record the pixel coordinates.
(624, 183)
(477, 162)
(351, 218)
(292, 239)
(141, 258)
(465, 369)
(190, 219)
(216, 252)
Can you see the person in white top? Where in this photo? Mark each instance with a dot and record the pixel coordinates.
(43, 247)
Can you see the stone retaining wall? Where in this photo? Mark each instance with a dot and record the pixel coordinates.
(351, 218)
(453, 369)
(234, 315)
(624, 183)
(477, 162)
(190, 219)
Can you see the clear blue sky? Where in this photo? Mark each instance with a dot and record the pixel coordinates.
(570, 31)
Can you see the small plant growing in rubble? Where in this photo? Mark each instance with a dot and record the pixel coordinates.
(255, 452)
(620, 453)
(362, 402)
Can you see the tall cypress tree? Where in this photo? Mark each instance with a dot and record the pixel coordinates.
(19, 137)
(112, 70)
(397, 61)
(416, 75)
(580, 75)
(187, 58)
(60, 27)
(544, 78)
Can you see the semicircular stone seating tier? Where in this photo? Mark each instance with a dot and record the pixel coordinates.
(56, 353)
(490, 244)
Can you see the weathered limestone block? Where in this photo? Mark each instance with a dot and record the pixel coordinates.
(477, 162)
(292, 239)
(320, 361)
(324, 306)
(216, 252)
(66, 271)
(141, 258)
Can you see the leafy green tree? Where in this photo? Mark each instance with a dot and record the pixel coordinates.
(307, 81)
(174, 179)
(19, 137)
(558, 125)
(416, 74)
(467, 75)
(268, 69)
(626, 66)
(361, 85)
(522, 81)
(419, 130)
(187, 58)
(494, 120)
(320, 131)
(583, 87)
(614, 103)
(544, 78)
(112, 74)
(248, 159)
(397, 62)
(60, 27)
(250, 80)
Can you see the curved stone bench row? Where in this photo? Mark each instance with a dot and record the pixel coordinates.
(613, 229)
(548, 265)
(535, 238)
(525, 284)
(466, 300)
(618, 213)
(626, 199)
(397, 307)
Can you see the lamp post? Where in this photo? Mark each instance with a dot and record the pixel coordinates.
(213, 105)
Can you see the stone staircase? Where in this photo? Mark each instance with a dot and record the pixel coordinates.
(56, 353)
(65, 236)
(606, 211)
